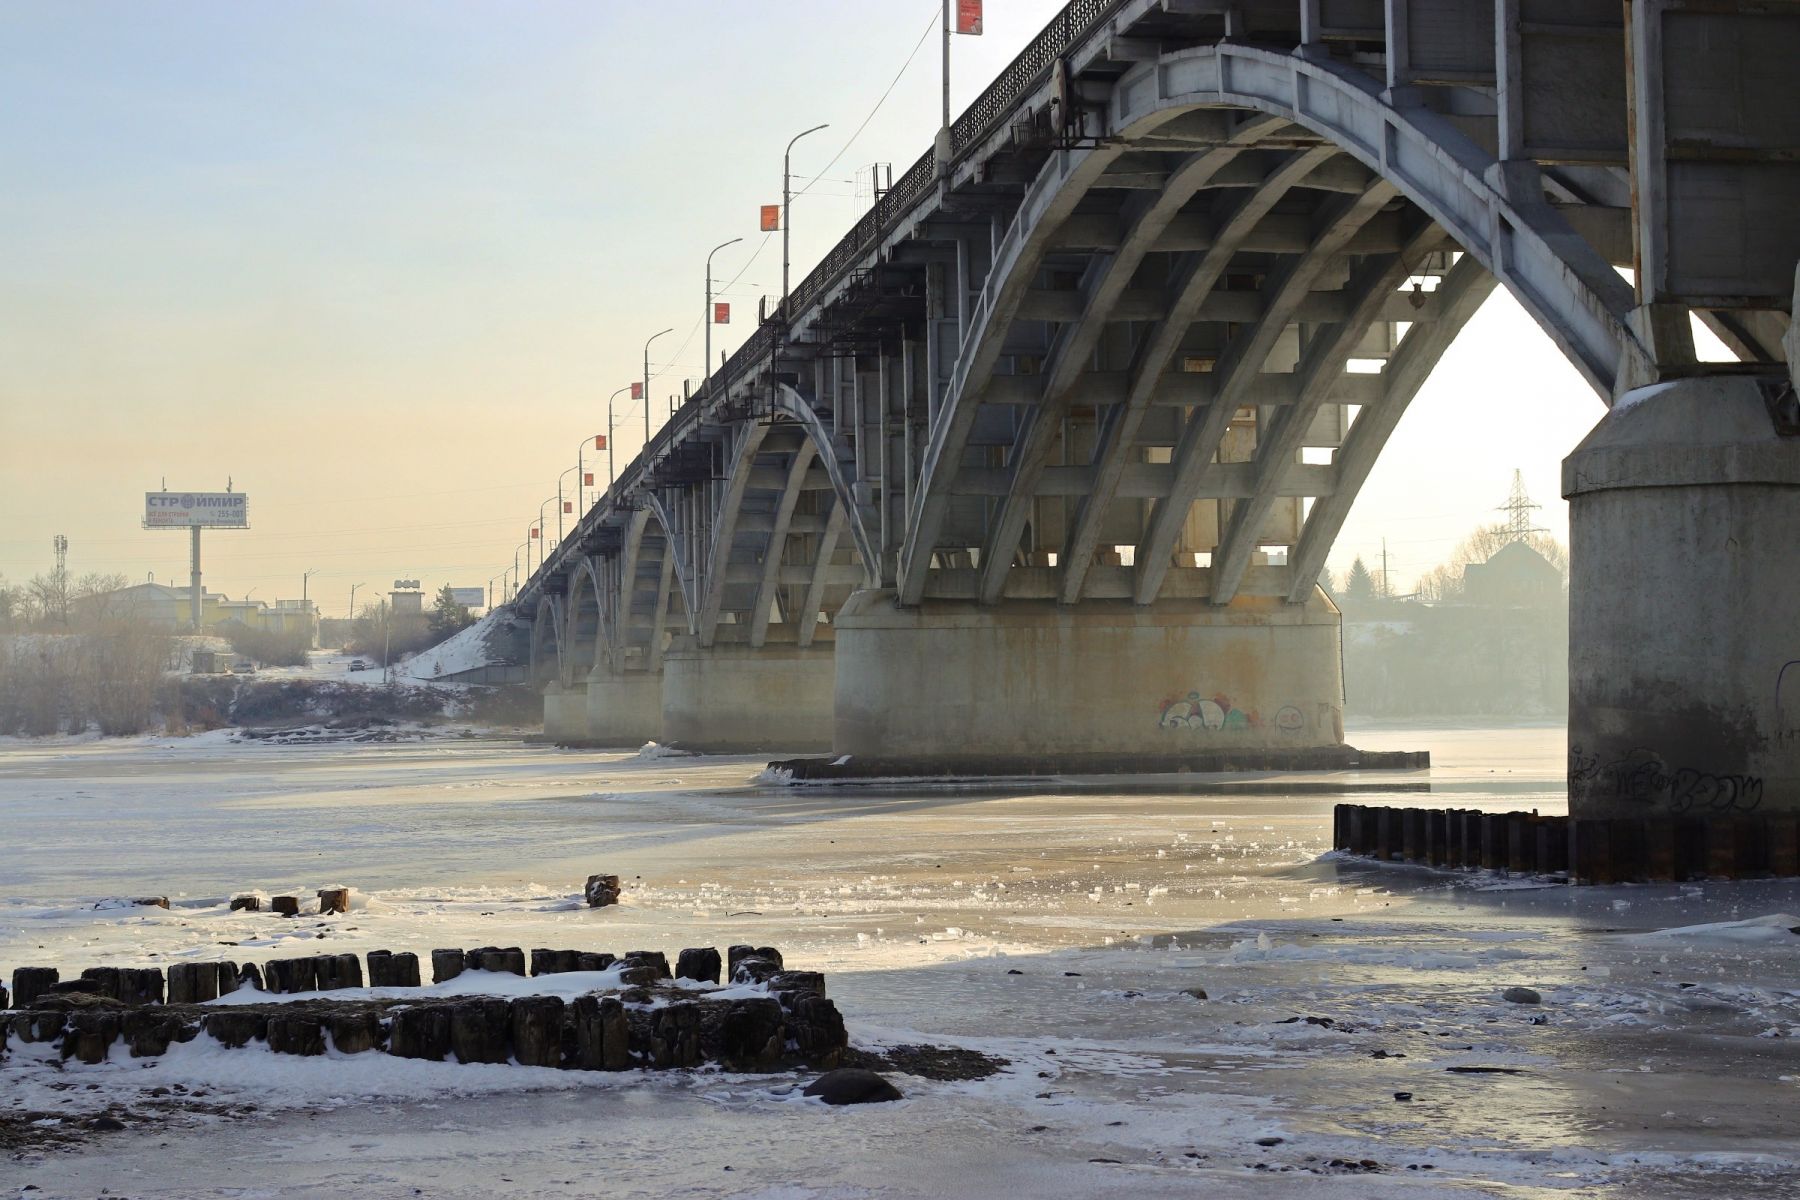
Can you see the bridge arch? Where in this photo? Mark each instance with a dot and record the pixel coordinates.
(1406, 196)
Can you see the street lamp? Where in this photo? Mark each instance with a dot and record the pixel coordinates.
(561, 504)
(542, 530)
(581, 480)
(353, 588)
(609, 433)
(652, 338)
(707, 375)
(787, 223)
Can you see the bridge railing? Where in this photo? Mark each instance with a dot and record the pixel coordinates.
(992, 108)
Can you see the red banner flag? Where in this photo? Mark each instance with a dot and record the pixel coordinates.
(771, 218)
(568, 506)
(721, 313)
(587, 478)
(968, 17)
(637, 391)
(599, 444)
(534, 531)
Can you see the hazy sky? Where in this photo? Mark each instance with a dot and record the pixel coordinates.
(382, 263)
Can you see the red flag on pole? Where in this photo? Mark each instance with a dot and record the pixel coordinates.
(568, 506)
(599, 444)
(637, 391)
(587, 478)
(968, 17)
(534, 531)
(771, 218)
(721, 313)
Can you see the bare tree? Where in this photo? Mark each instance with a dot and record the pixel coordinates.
(1444, 582)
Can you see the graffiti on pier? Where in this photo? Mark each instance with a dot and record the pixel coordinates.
(1641, 777)
(1787, 704)
(1214, 714)
(1290, 719)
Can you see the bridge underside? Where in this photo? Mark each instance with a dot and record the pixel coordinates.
(1050, 451)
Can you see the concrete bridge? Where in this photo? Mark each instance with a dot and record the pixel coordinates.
(1046, 455)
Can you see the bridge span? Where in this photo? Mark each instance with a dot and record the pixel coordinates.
(1046, 455)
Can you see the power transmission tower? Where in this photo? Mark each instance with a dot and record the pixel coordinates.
(1518, 509)
(61, 578)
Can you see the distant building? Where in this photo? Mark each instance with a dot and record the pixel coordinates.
(1515, 576)
(161, 604)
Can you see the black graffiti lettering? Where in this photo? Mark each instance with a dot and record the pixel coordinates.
(1641, 777)
(1693, 789)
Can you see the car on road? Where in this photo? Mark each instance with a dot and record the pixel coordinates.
(243, 668)
(357, 664)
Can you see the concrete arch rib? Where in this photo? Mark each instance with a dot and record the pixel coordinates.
(630, 556)
(791, 404)
(750, 438)
(1052, 197)
(1075, 345)
(584, 583)
(1323, 364)
(1195, 285)
(1201, 439)
(1569, 289)
(1463, 289)
(547, 634)
(672, 563)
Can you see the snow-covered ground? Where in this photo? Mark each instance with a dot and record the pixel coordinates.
(1062, 931)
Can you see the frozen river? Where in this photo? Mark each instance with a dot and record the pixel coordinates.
(1060, 928)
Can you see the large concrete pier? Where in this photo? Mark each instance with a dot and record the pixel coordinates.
(1684, 604)
(954, 680)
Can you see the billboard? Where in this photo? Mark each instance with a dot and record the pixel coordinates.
(186, 510)
(469, 597)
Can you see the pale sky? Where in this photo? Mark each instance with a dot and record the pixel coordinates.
(381, 263)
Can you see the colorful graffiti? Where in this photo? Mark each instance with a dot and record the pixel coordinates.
(1215, 714)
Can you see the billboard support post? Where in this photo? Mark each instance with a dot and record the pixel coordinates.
(194, 581)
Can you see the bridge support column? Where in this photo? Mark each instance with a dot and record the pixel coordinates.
(1684, 604)
(740, 699)
(623, 708)
(1175, 678)
(565, 712)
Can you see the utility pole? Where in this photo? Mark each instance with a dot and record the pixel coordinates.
(1386, 591)
(306, 607)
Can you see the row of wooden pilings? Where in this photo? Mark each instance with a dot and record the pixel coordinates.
(1581, 850)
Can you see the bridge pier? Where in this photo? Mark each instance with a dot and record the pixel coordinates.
(565, 712)
(731, 698)
(624, 708)
(959, 679)
(1684, 604)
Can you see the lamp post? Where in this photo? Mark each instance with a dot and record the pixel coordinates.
(353, 588)
(561, 504)
(787, 223)
(581, 479)
(652, 338)
(609, 433)
(707, 375)
(542, 530)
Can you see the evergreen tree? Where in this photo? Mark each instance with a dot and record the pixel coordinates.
(447, 616)
(1359, 584)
